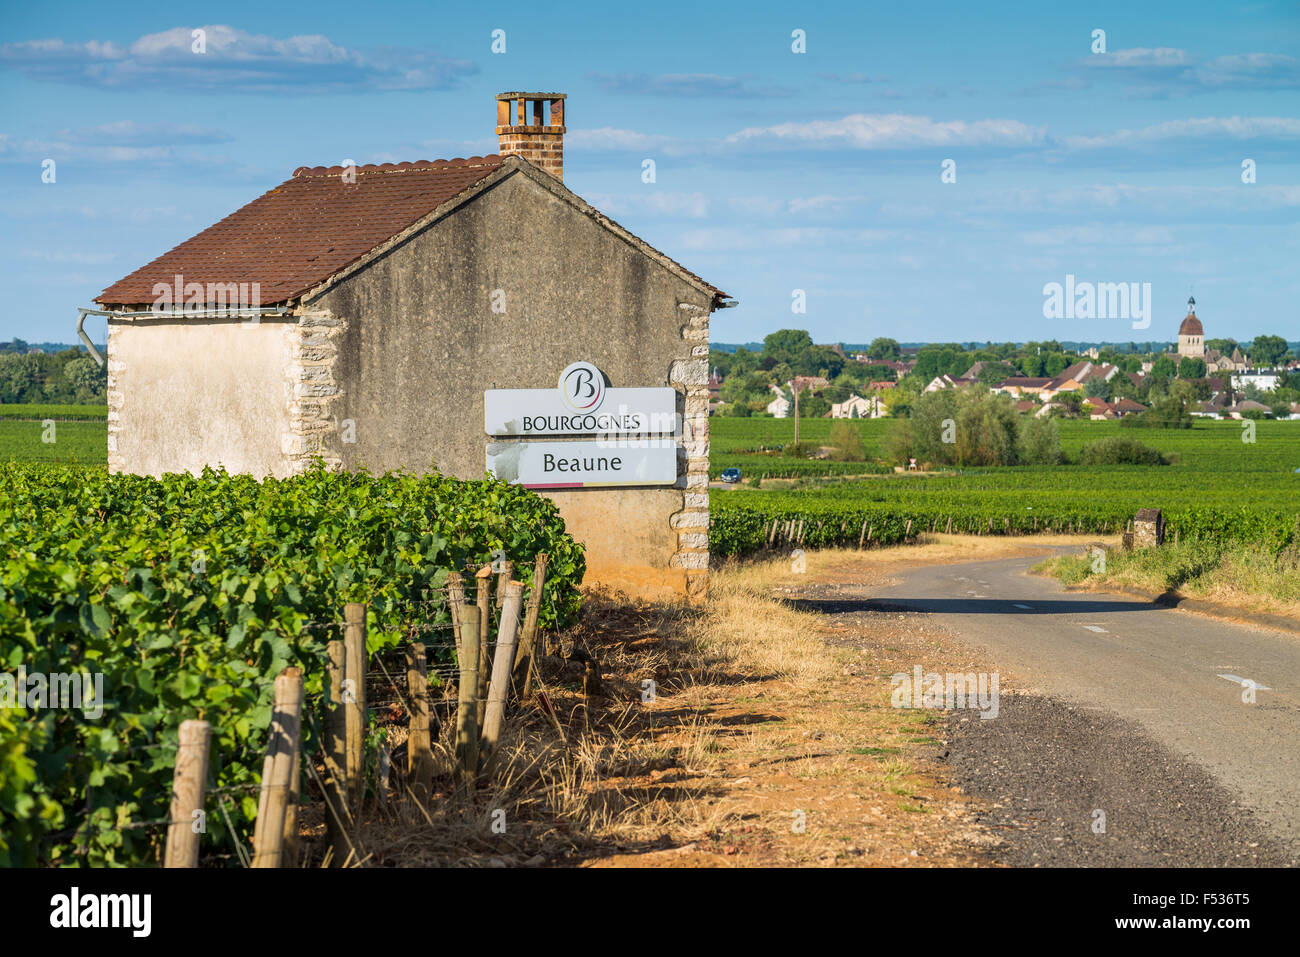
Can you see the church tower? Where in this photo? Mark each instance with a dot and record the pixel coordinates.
(1191, 334)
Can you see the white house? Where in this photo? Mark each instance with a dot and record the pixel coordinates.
(1266, 382)
(780, 406)
(856, 407)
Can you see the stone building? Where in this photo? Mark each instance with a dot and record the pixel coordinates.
(360, 314)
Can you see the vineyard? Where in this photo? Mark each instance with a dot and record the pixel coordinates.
(1221, 488)
(190, 595)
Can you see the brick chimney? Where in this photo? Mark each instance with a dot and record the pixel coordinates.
(537, 134)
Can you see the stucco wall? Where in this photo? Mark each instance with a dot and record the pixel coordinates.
(184, 394)
(417, 342)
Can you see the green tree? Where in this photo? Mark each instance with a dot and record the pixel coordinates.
(20, 377)
(1266, 352)
(1069, 405)
(995, 371)
(882, 348)
(811, 405)
(1166, 412)
(1031, 366)
(1098, 388)
(87, 379)
(956, 428)
(785, 345)
(1163, 367)
(1191, 367)
(820, 360)
(745, 389)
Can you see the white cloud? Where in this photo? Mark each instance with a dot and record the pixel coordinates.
(726, 239)
(1108, 235)
(611, 139)
(1164, 71)
(1139, 58)
(884, 131)
(234, 61)
(653, 202)
(1189, 201)
(1261, 70)
(1219, 128)
(692, 85)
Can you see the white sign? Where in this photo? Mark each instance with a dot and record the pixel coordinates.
(581, 404)
(558, 465)
(544, 412)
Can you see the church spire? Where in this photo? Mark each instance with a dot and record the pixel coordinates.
(1191, 306)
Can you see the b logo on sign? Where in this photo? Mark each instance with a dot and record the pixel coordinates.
(582, 387)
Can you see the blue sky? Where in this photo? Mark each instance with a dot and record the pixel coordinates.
(775, 171)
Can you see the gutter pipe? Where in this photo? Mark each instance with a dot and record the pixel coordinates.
(83, 312)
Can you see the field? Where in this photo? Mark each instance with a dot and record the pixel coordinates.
(89, 413)
(78, 435)
(1220, 488)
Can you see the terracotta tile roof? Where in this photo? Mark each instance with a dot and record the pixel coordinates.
(307, 229)
(1023, 382)
(314, 225)
(1128, 405)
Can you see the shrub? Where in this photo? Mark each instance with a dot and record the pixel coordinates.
(846, 443)
(1117, 450)
(1040, 441)
(1167, 413)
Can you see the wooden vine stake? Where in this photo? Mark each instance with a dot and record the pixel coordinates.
(483, 597)
(277, 770)
(354, 699)
(337, 817)
(528, 640)
(504, 577)
(456, 601)
(189, 782)
(467, 710)
(502, 664)
(384, 770)
(419, 754)
(290, 854)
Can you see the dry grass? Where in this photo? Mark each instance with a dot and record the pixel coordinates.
(759, 711)
(746, 634)
(628, 774)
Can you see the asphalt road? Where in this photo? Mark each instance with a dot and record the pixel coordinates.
(1134, 699)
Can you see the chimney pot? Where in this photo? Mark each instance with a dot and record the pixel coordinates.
(542, 141)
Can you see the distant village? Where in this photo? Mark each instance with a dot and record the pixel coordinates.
(1215, 378)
